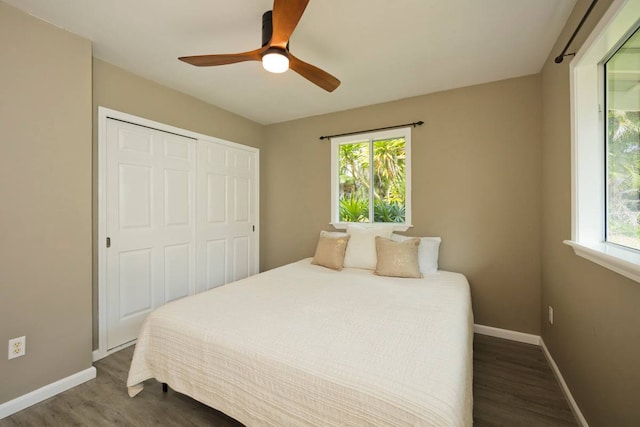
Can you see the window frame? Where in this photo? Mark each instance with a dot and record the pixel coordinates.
(588, 155)
(403, 132)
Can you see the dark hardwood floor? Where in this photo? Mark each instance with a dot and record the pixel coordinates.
(513, 386)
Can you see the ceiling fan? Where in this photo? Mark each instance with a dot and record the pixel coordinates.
(277, 27)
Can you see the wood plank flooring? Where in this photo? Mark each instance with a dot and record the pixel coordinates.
(513, 386)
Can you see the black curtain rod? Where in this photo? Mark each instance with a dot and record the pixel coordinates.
(564, 53)
(414, 124)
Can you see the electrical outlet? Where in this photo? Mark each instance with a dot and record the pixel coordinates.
(551, 315)
(17, 347)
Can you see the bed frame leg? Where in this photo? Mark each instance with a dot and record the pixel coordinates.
(165, 387)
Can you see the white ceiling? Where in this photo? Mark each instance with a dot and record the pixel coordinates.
(381, 50)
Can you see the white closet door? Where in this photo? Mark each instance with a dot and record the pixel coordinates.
(227, 210)
(150, 196)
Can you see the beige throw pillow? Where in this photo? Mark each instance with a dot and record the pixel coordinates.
(398, 259)
(330, 251)
(427, 252)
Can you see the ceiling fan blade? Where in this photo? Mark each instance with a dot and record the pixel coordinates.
(314, 74)
(285, 18)
(231, 58)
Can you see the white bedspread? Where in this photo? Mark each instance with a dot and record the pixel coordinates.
(305, 345)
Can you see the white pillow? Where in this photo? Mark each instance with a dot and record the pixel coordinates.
(361, 249)
(427, 252)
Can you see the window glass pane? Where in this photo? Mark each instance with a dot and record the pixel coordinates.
(623, 144)
(389, 180)
(354, 182)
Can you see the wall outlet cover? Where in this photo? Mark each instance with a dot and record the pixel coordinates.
(17, 347)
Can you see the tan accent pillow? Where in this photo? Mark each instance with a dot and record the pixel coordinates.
(397, 259)
(330, 251)
(427, 251)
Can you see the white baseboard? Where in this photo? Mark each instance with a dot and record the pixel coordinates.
(565, 388)
(43, 393)
(507, 334)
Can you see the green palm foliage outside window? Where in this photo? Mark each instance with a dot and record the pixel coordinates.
(623, 164)
(372, 175)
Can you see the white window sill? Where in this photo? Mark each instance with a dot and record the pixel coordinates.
(396, 227)
(623, 261)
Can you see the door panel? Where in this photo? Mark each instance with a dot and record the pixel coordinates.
(227, 243)
(216, 198)
(176, 198)
(241, 257)
(135, 282)
(177, 271)
(216, 263)
(132, 139)
(175, 147)
(150, 192)
(135, 196)
(242, 199)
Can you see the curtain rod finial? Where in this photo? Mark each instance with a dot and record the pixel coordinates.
(560, 58)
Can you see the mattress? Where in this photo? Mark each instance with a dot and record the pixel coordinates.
(304, 345)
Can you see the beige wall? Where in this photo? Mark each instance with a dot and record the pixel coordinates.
(123, 91)
(595, 338)
(476, 183)
(45, 202)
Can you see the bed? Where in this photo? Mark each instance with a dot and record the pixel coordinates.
(305, 345)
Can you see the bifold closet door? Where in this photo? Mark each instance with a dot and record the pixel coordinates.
(151, 224)
(227, 209)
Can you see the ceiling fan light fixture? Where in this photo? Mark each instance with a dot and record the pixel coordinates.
(275, 62)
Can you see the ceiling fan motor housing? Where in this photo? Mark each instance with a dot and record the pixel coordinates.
(267, 27)
(267, 30)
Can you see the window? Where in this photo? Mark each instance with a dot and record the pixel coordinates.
(622, 94)
(371, 179)
(605, 85)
